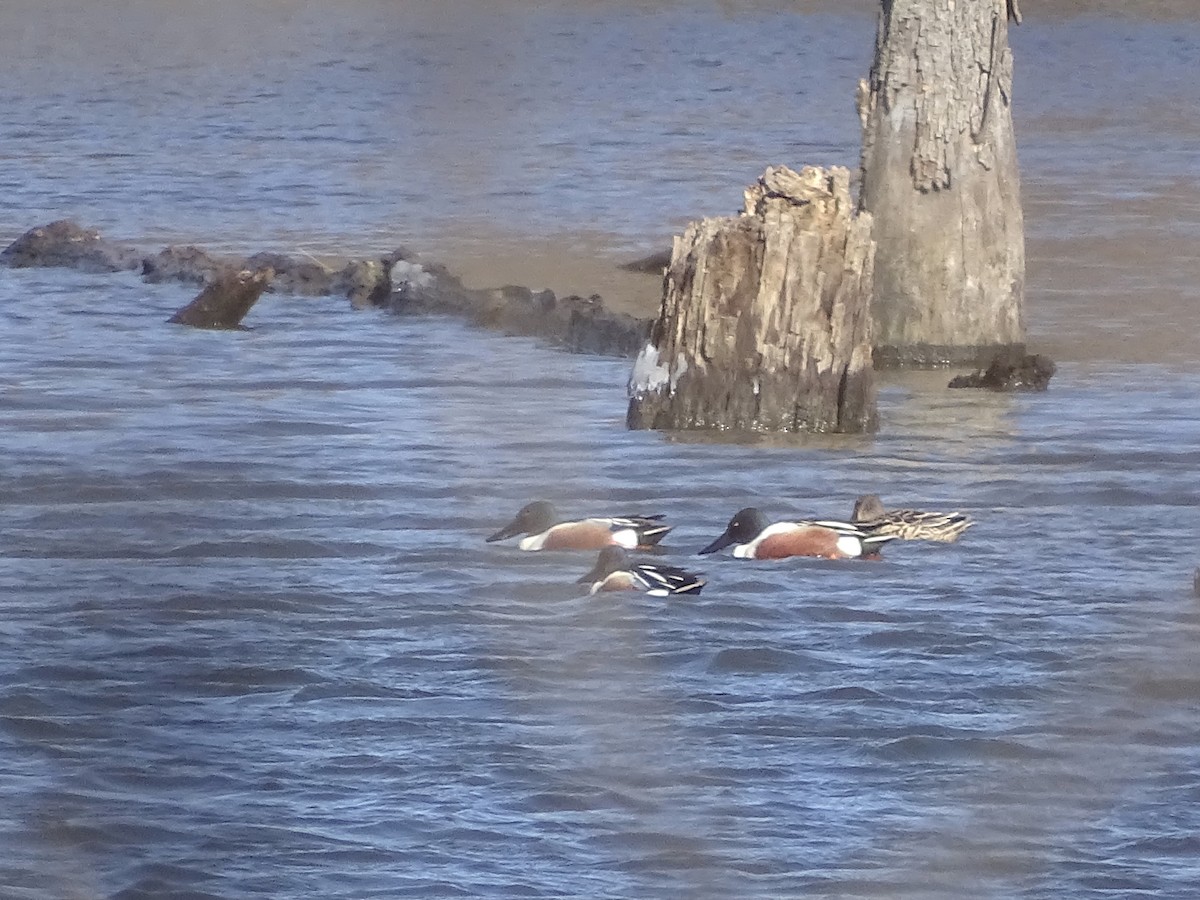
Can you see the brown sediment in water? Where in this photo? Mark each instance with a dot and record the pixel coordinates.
(1031, 10)
(1119, 283)
(1111, 278)
(1108, 279)
(575, 263)
(1114, 279)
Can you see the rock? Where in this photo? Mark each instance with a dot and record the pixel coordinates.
(304, 277)
(64, 243)
(1011, 369)
(429, 288)
(225, 302)
(366, 282)
(397, 281)
(579, 324)
(654, 264)
(369, 282)
(590, 328)
(190, 264)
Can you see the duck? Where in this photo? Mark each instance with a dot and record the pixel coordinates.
(908, 524)
(539, 522)
(753, 536)
(614, 571)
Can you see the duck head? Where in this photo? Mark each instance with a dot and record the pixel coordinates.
(533, 518)
(744, 527)
(611, 559)
(868, 508)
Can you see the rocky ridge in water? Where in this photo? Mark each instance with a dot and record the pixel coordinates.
(398, 282)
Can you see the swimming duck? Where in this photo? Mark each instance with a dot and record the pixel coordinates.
(908, 524)
(754, 537)
(539, 522)
(614, 572)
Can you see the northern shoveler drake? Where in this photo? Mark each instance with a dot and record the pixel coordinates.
(753, 537)
(614, 572)
(539, 521)
(908, 524)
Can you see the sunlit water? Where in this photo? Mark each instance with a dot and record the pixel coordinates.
(253, 642)
(253, 636)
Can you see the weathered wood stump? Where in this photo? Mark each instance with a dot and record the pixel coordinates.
(765, 322)
(940, 177)
(225, 302)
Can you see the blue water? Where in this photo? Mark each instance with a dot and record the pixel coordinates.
(254, 644)
(403, 122)
(254, 641)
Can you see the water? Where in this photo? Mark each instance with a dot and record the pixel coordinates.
(253, 641)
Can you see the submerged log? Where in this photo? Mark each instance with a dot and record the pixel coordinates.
(765, 322)
(225, 302)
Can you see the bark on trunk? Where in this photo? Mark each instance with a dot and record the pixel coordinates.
(765, 320)
(939, 169)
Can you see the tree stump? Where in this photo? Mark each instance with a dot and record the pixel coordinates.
(939, 167)
(225, 302)
(765, 324)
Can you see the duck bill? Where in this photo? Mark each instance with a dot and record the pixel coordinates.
(512, 529)
(719, 544)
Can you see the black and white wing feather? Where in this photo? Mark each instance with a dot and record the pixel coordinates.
(662, 581)
(649, 529)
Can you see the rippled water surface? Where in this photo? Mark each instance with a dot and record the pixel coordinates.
(253, 642)
(254, 639)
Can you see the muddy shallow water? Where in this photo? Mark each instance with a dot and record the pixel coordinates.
(253, 642)
(539, 144)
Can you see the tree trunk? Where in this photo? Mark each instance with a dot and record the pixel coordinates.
(939, 169)
(765, 320)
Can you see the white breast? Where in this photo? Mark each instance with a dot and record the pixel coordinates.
(747, 551)
(850, 545)
(627, 538)
(534, 541)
